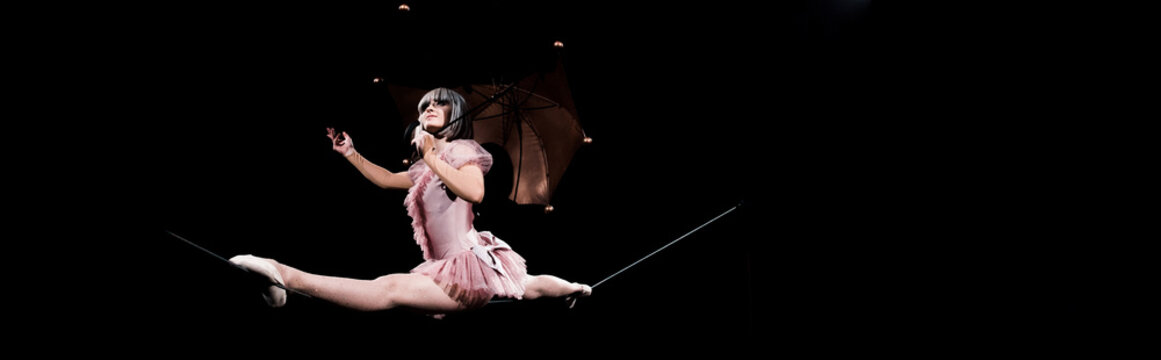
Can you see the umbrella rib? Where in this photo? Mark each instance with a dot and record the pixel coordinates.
(554, 103)
(532, 93)
(481, 106)
(492, 116)
(543, 151)
(536, 133)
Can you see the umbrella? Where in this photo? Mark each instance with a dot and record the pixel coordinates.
(533, 119)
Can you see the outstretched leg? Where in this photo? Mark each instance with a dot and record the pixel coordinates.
(385, 292)
(536, 286)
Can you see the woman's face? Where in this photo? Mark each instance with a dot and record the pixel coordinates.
(434, 117)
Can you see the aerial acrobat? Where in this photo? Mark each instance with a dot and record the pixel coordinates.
(463, 268)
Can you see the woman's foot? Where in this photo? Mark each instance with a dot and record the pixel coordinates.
(275, 296)
(584, 291)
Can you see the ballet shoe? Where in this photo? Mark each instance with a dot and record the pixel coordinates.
(275, 296)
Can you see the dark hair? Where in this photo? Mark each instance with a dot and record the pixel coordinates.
(454, 128)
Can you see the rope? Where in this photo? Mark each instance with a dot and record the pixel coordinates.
(667, 245)
(211, 253)
(572, 299)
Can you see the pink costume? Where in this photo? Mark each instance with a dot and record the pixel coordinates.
(471, 266)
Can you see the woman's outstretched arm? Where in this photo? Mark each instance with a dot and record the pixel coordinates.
(377, 174)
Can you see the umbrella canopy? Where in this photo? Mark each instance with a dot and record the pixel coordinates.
(534, 120)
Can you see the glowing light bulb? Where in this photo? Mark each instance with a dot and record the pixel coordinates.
(404, 7)
(548, 209)
(406, 162)
(558, 44)
(376, 80)
(588, 140)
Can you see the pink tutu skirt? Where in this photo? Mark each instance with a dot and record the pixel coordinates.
(473, 277)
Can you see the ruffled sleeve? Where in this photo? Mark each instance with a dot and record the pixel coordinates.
(466, 151)
(416, 170)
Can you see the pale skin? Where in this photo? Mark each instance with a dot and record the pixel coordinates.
(414, 291)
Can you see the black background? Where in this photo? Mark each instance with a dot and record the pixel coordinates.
(885, 206)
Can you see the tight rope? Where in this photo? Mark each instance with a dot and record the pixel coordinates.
(667, 245)
(572, 299)
(211, 253)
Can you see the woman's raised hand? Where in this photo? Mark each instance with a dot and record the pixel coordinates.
(422, 140)
(341, 143)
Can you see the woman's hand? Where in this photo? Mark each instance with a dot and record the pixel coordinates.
(423, 141)
(342, 144)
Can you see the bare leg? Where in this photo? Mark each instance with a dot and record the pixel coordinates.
(386, 292)
(536, 286)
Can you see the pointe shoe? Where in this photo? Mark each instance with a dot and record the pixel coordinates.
(275, 296)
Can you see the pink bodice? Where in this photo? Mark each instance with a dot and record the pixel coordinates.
(472, 267)
(442, 224)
